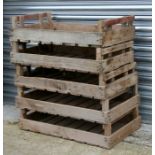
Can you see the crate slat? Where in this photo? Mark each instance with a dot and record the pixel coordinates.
(121, 84)
(57, 37)
(118, 35)
(77, 88)
(120, 70)
(117, 61)
(73, 64)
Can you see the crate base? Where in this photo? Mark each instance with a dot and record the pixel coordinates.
(78, 130)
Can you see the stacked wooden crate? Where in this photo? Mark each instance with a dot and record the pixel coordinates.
(76, 81)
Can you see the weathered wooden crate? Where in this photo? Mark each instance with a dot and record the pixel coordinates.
(80, 107)
(74, 58)
(75, 83)
(117, 33)
(76, 73)
(102, 34)
(80, 130)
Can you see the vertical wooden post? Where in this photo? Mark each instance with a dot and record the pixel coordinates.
(108, 129)
(50, 20)
(100, 25)
(14, 22)
(101, 73)
(105, 109)
(136, 89)
(104, 103)
(41, 20)
(19, 72)
(19, 68)
(136, 110)
(102, 82)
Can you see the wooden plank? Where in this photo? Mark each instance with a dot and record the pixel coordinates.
(77, 88)
(92, 66)
(69, 27)
(62, 86)
(122, 108)
(60, 109)
(75, 27)
(57, 37)
(117, 35)
(107, 129)
(101, 74)
(120, 85)
(123, 132)
(19, 68)
(77, 64)
(117, 61)
(64, 132)
(120, 70)
(117, 47)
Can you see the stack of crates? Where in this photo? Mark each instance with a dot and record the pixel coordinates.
(76, 81)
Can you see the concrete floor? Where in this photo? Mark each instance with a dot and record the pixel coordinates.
(20, 142)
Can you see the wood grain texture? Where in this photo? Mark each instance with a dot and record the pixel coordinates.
(77, 88)
(60, 109)
(73, 64)
(62, 86)
(101, 116)
(79, 135)
(75, 27)
(121, 84)
(117, 61)
(64, 132)
(118, 35)
(125, 131)
(117, 47)
(122, 109)
(77, 64)
(57, 37)
(120, 70)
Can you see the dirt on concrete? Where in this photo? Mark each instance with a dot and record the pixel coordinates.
(20, 142)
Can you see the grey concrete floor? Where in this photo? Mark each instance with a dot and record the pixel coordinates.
(20, 142)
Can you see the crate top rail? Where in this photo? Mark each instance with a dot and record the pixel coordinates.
(102, 34)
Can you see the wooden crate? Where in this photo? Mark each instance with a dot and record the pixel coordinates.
(73, 58)
(76, 73)
(102, 34)
(87, 85)
(79, 107)
(80, 130)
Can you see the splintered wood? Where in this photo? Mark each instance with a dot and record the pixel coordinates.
(76, 81)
